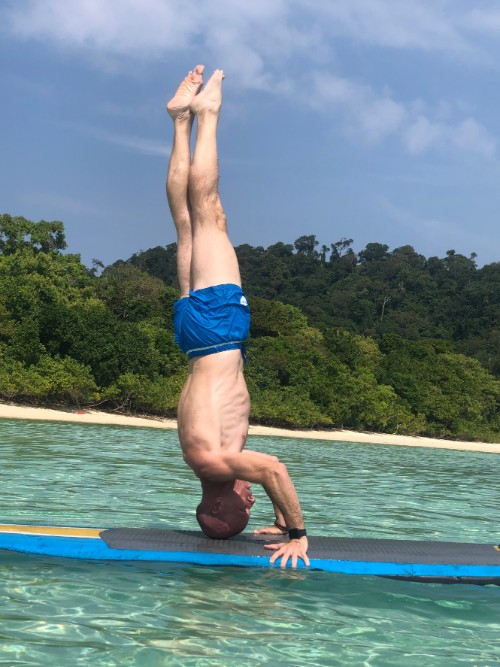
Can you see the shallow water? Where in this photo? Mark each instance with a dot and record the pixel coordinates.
(62, 612)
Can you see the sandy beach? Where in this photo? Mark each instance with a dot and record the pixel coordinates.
(8, 411)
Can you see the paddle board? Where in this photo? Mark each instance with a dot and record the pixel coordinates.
(423, 561)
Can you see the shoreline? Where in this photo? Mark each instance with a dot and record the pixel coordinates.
(8, 411)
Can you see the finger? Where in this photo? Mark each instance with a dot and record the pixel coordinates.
(272, 546)
(294, 560)
(306, 560)
(284, 560)
(274, 557)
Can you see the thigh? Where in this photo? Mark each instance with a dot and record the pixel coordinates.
(213, 260)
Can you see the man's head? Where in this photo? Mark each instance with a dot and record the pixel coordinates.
(224, 510)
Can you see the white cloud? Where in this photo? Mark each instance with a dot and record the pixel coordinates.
(114, 26)
(371, 117)
(485, 20)
(132, 143)
(468, 135)
(239, 34)
(248, 34)
(367, 116)
(412, 24)
(259, 41)
(422, 135)
(138, 144)
(380, 117)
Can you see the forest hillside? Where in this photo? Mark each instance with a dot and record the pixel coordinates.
(378, 340)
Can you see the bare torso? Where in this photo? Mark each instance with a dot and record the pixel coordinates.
(214, 407)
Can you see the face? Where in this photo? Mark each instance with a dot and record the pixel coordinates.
(225, 508)
(244, 490)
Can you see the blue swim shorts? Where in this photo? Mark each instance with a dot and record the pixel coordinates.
(211, 320)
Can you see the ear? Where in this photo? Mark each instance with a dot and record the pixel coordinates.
(216, 506)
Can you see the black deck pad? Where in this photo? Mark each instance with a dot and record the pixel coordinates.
(323, 548)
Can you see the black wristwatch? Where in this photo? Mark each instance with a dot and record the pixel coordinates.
(296, 533)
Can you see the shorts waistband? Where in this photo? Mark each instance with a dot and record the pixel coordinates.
(213, 347)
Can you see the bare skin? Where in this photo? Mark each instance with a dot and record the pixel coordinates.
(214, 405)
(225, 508)
(188, 88)
(178, 171)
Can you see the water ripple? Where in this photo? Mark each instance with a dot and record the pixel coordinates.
(62, 612)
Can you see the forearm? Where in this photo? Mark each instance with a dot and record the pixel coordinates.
(273, 476)
(286, 503)
(283, 495)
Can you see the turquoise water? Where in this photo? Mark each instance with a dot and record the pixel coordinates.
(63, 613)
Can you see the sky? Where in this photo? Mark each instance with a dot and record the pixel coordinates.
(374, 120)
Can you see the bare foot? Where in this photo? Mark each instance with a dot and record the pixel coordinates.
(210, 98)
(270, 530)
(179, 104)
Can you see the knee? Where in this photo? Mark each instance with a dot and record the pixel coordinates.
(184, 229)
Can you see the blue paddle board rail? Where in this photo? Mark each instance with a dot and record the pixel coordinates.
(421, 561)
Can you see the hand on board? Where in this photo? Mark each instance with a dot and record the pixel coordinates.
(292, 550)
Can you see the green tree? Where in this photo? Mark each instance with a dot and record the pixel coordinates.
(17, 233)
(131, 294)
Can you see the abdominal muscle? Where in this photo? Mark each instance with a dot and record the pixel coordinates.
(214, 407)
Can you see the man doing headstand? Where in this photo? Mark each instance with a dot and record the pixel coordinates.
(212, 320)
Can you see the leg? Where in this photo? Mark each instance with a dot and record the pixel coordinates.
(213, 261)
(178, 172)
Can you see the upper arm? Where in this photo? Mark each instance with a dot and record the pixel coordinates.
(247, 465)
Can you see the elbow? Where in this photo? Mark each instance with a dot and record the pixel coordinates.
(276, 472)
(211, 469)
